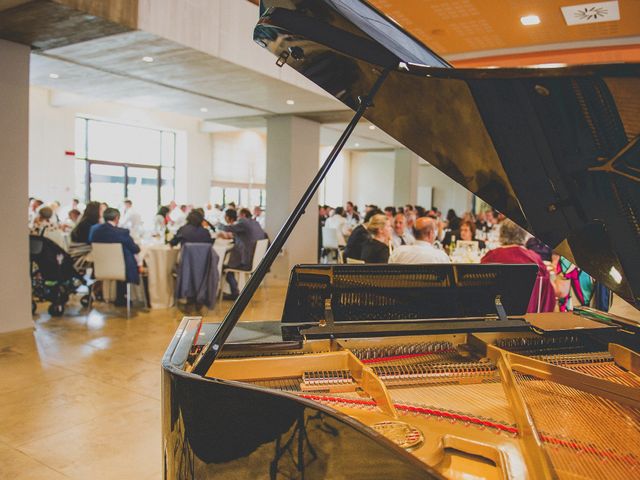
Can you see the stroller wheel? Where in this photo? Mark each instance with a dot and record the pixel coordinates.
(85, 300)
(33, 307)
(56, 310)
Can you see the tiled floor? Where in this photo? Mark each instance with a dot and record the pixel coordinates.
(80, 394)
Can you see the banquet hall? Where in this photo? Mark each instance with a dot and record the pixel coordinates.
(152, 156)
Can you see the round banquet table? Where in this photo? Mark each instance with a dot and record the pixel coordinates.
(160, 261)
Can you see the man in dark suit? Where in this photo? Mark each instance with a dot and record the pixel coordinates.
(109, 232)
(245, 232)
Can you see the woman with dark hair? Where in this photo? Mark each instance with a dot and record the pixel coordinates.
(193, 231)
(160, 220)
(453, 221)
(90, 217)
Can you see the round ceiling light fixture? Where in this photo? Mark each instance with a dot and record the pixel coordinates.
(528, 20)
(204, 109)
(54, 75)
(291, 102)
(147, 59)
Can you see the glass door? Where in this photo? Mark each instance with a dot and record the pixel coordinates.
(107, 183)
(142, 190)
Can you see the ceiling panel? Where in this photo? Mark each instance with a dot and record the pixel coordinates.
(454, 27)
(189, 71)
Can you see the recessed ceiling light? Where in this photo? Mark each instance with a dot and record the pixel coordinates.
(291, 102)
(530, 20)
(357, 145)
(372, 127)
(204, 109)
(54, 75)
(147, 59)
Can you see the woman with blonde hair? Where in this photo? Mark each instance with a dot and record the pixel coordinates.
(377, 248)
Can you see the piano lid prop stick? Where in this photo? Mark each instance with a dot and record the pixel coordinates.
(213, 348)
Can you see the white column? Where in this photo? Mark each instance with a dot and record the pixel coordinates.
(292, 161)
(15, 286)
(405, 178)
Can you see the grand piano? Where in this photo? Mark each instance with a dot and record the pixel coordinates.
(433, 371)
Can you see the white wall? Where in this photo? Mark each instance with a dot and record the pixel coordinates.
(371, 178)
(52, 132)
(335, 190)
(446, 193)
(15, 286)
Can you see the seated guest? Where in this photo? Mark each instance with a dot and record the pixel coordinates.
(401, 235)
(245, 233)
(339, 222)
(72, 219)
(453, 221)
(376, 249)
(43, 221)
(109, 232)
(512, 251)
(390, 212)
(193, 231)
(359, 237)
(259, 216)
(466, 233)
(351, 214)
(422, 251)
(90, 217)
(160, 220)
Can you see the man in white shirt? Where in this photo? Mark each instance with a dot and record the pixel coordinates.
(213, 214)
(422, 251)
(259, 216)
(401, 235)
(131, 220)
(177, 215)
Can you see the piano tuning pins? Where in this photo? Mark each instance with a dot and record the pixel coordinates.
(370, 353)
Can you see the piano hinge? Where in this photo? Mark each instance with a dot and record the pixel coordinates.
(502, 314)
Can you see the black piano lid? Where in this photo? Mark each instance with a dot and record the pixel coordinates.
(555, 150)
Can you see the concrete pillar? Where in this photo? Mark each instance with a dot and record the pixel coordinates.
(405, 178)
(15, 285)
(292, 161)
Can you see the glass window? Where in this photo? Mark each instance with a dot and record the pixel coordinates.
(143, 190)
(216, 195)
(107, 183)
(114, 152)
(113, 142)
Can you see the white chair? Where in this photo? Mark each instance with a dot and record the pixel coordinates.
(332, 240)
(108, 264)
(243, 275)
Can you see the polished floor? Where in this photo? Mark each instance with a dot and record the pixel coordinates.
(80, 394)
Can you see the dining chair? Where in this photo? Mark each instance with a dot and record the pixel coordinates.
(243, 275)
(108, 264)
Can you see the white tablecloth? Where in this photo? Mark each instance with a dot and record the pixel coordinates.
(160, 260)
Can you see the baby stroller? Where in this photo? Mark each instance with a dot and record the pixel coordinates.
(53, 276)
